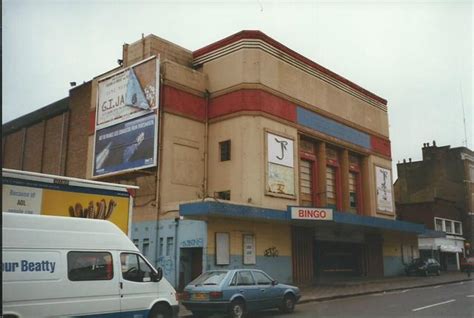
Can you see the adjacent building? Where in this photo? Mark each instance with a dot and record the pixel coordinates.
(247, 154)
(438, 192)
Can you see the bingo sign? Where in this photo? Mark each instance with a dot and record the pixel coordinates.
(304, 213)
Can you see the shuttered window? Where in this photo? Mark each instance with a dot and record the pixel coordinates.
(306, 182)
(331, 185)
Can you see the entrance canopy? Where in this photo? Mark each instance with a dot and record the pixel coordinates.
(224, 209)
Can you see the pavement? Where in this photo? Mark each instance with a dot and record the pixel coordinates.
(364, 286)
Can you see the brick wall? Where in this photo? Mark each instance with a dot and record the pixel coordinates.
(54, 137)
(76, 157)
(14, 150)
(33, 154)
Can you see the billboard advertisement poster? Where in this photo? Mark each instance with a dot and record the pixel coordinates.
(126, 146)
(383, 181)
(20, 199)
(280, 165)
(50, 198)
(87, 205)
(130, 93)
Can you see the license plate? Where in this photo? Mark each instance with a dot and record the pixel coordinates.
(200, 296)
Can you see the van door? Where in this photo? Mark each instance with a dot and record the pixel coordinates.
(137, 289)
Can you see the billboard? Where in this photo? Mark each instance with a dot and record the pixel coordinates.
(126, 146)
(126, 131)
(45, 198)
(383, 182)
(130, 93)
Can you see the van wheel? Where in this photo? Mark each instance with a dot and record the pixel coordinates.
(288, 304)
(237, 309)
(160, 311)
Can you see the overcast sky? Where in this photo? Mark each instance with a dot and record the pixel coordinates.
(416, 54)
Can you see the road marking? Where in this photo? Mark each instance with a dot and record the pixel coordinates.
(470, 296)
(429, 306)
(391, 293)
(437, 286)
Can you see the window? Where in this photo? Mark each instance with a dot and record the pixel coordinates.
(448, 226)
(169, 245)
(457, 228)
(84, 266)
(261, 278)
(331, 186)
(146, 247)
(223, 195)
(244, 278)
(161, 246)
(224, 148)
(353, 191)
(306, 182)
(134, 268)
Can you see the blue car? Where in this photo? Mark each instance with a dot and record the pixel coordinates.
(237, 292)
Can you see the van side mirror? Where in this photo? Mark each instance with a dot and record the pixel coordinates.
(158, 275)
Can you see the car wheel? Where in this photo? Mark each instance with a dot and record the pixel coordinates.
(237, 309)
(288, 304)
(160, 311)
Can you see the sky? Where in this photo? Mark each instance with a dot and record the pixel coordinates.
(416, 54)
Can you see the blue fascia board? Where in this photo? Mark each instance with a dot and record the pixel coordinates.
(332, 128)
(231, 210)
(207, 208)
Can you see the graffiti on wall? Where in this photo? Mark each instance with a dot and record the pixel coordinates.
(271, 252)
(166, 265)
(199, 242)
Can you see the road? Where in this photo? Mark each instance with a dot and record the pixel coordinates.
(452, 300)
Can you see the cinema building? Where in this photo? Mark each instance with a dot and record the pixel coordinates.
(247, 154)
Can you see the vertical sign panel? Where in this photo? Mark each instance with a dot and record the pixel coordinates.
(383, 181)
(280, 169)
(222, 249)
(249, 249)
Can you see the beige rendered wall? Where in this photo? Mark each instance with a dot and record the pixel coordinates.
(244, 174)
(182, 162)
(258, 67)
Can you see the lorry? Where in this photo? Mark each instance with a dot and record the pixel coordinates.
(77, 267)
(43, 194)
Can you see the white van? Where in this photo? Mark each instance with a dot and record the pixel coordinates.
(71, 267)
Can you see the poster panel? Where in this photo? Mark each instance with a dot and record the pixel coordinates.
(126, 146)
(281, 179)
(280, 150)
(250, 257)
(222, 249)
(18, 199)
(383, 181)
(130, 93)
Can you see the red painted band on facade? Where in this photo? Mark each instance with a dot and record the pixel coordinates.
(184, 103)
(254, 34)
(252, 100)
(381, 146)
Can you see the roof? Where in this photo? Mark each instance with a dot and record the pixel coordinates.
(258, 35)
(55, 232)
(36, 116)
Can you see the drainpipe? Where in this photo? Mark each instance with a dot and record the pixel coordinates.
(206, 145)
(176, 258)
(158, 167)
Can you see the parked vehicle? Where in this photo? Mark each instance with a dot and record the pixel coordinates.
(467, 263)
(237, 292)
(66, 267)
(423, 267)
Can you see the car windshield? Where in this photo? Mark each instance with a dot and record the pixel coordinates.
(210, 278)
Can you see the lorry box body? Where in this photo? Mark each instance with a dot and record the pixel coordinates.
(74, 267)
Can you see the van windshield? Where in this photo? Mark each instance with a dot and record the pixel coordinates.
(210, 278)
